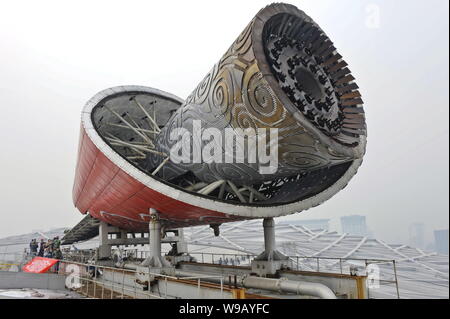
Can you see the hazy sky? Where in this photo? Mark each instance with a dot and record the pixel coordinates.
(55, 55)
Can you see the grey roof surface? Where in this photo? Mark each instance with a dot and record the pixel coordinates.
(421, 274)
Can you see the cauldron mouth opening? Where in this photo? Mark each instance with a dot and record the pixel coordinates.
(311, 85)
(113, 119)
(313, 76)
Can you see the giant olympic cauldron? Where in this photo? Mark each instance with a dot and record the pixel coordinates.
(282, 72)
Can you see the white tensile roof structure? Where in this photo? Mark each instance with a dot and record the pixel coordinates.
(420, 274)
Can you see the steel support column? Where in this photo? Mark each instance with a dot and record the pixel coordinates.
(270, 261)
(155, 260)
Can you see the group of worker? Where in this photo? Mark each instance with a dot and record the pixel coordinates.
(48, 249)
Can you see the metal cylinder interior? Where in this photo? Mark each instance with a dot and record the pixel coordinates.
(283, 73)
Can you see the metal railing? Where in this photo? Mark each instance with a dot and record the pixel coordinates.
(81, 256)
(343, 266)
(337, 265)
(90, 277)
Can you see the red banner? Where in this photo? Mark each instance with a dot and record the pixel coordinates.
(39, 265)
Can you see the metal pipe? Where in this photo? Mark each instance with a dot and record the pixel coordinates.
(211, 187)
(284, 285)
(130, 266)
(278, 285)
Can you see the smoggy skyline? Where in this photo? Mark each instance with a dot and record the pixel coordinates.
(55, 56)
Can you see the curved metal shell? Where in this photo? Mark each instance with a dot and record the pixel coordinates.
(113, 190)
(242, 90)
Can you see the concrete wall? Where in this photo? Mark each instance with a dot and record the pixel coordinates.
(19, 280)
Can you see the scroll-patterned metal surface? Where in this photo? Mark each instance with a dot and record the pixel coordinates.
(282, 72)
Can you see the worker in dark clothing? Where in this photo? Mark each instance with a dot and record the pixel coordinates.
(33, 247)
(57, 254)
(56, 243)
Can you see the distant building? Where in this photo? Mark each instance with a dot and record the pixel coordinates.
(417, 235)
(310, 223)
(441, 241)
(354, 224)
